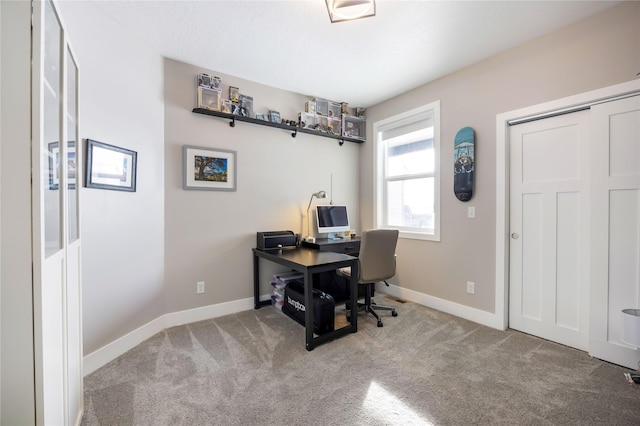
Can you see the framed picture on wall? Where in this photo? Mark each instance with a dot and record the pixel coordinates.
(209, 168)
(54, 165)
(110, 167)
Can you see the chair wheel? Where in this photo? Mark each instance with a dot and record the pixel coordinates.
(394, 314)
(379, 323)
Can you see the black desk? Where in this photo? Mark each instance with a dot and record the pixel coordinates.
(309, 262)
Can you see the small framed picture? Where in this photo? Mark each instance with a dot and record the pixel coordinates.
(209, 168)
(54, 165)
(110, 167)
(259, 116)
(274, 116)
(234, 94)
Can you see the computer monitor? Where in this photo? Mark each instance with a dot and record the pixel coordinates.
(332, 219)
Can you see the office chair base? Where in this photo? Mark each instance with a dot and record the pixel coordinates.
(363, 307)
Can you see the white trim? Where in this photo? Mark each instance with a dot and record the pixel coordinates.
(395, 121)
(111, 351)
(502, 177)
(472, 314)
(208, 312)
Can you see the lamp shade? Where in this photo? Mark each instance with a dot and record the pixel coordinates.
(346, 10)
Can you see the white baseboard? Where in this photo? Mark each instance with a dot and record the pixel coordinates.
(109, 352)
(489, 319)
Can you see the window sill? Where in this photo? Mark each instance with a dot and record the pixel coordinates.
(418, 236)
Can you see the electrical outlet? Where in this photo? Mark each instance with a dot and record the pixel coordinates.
(200, 287)
(471, 287)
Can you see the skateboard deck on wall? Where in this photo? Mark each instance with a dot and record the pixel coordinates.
(463, 163)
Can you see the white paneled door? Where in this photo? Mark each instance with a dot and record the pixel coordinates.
(549, 223)
(56, 240)
(575, 227)
(615, 251)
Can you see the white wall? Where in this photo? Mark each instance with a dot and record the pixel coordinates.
(121, 103)
(600, 51)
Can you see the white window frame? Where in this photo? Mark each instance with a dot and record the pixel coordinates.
(379, 194)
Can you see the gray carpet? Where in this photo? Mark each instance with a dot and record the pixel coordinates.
(422, 367)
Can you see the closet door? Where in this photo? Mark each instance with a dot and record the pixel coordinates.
(615, 248)
(549, 222)
(56, 242)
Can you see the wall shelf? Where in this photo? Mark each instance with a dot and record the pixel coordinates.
(293, 129)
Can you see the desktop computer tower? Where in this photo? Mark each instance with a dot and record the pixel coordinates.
(323, 307)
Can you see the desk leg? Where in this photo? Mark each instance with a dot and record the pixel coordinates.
(308, 314)
(256, 282)
(353, 283)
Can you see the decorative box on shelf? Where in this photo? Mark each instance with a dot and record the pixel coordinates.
(322, 106)
(335, 109)
(335, 125)
(322, 123)
(310, 106)
(209, 98)
(307, 120)
(354, 127)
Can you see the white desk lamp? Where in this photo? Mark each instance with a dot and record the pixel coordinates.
(319, 194)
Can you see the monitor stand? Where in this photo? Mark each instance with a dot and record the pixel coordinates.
(335, 236)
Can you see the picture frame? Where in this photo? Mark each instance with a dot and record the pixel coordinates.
(110, 167)
(211, 169)
(54, 165)
(259, 116)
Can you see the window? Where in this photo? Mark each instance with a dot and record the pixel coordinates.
(408, 173)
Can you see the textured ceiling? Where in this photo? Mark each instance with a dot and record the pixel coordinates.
(292, 45)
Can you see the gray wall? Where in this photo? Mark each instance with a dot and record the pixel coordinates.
(600, 51)
(209, 234)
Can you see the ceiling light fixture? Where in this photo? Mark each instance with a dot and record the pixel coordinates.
(347, 10)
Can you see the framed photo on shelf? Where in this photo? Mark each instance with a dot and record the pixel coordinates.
(110, 167)
(54, 165)
(259, 116)
(210, 169)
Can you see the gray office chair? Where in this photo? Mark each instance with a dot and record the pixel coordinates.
(377, 262)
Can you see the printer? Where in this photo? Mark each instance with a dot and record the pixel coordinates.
(275, 240)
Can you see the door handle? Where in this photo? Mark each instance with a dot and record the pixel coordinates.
(515, 236)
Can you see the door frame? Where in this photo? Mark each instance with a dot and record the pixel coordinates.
(555, 107)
